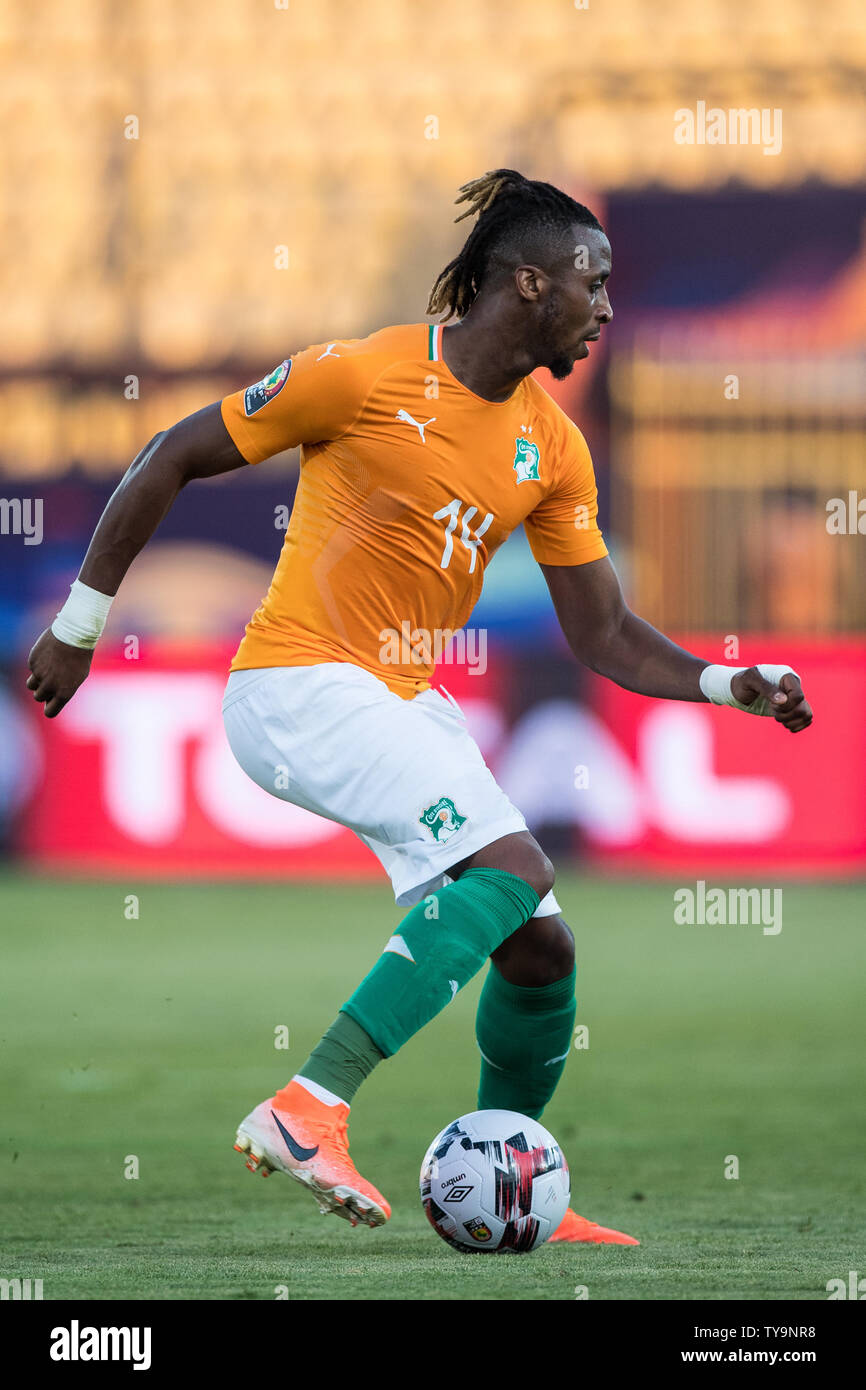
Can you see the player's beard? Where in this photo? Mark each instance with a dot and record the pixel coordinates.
(561, 364)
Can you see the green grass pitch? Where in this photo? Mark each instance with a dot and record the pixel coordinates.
(153, 1037)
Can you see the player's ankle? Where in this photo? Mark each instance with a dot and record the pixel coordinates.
(318, 1092)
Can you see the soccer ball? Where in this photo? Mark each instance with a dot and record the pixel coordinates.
(495, 1182)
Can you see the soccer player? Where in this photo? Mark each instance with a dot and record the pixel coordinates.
(423, 447)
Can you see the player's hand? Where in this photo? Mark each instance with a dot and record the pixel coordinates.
(57, 671)
(786, 699)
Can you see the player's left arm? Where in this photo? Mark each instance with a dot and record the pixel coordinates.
(609, 638)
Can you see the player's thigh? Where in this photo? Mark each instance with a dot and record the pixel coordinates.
(333, 739)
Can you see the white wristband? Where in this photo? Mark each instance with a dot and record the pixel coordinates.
(715, 683)
(82, 617)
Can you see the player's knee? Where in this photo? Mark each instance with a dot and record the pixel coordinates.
(518, 854)
(540, 875)
(562, 948)
(532, 865)
(550, 944)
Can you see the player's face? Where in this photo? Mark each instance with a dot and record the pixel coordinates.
(577, 307)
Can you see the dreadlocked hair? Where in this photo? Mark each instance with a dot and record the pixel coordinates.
(510, 209)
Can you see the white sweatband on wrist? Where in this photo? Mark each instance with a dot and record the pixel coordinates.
(716, 685)
(82, 617)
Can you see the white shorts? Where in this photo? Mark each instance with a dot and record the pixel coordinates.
(404, 775)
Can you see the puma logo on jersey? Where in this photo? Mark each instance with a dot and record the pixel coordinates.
(328, 352)
(407, 419)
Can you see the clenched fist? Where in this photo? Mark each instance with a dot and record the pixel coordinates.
(57, 671)
(785, 701)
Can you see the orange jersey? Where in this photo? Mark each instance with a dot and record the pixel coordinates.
(409, 483)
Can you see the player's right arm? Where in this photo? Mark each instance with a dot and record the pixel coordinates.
(198, 447)
(314, 395)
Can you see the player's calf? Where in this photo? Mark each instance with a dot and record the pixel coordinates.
(527, 1007)
(538, 953)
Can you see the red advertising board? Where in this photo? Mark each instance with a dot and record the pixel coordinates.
(719, 790)
(137, 776)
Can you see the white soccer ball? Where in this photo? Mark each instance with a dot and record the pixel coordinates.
(496, 1182)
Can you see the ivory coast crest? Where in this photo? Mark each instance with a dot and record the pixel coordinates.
(526, 460)
(442, 819)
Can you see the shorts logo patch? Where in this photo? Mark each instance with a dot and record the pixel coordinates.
(526, 460)
(263, 391)
(442, 819)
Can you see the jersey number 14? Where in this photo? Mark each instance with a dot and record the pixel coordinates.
(471, 539)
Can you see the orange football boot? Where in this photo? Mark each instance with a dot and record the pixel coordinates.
(576, 1228)
(301, 1136)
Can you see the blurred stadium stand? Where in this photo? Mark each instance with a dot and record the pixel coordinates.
(341, 133)
(305, 127)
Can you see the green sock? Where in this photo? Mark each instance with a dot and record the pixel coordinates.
(524, 1035)
(440, 945)
(343, 1059)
